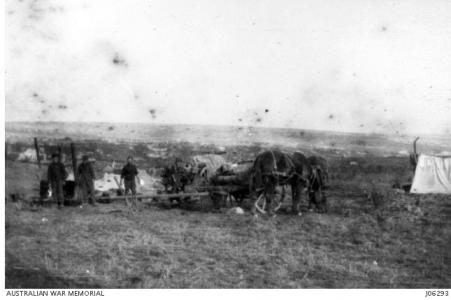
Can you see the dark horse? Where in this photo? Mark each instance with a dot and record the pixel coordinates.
(315, 169)
(273, 169)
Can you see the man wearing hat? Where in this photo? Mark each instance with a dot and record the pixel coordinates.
(56, 175)
(129, 174)
(86, 177)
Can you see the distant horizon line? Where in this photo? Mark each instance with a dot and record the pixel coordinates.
(404, 135)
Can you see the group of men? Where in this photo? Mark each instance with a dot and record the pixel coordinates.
(57, 175)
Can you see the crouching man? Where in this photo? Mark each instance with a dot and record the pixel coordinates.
(56, 176)
(86, 177)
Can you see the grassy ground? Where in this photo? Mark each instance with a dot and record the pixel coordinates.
(389, 241)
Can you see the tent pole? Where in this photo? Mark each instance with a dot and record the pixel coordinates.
(36, 147)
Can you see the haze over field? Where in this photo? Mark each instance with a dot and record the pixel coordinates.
(333, 142)
(359, 66)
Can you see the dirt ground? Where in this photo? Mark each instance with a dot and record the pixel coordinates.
(389, 240)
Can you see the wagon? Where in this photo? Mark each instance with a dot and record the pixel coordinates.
(226, 184)
(207, 180)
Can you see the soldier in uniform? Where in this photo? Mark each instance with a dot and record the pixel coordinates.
(56, 176)
(129, 174)
(86, 177)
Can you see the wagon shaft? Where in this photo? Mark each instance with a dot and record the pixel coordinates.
(159, 196)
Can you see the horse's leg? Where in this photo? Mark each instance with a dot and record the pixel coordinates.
(311, 198)
(323, 201)
(317, 200)
(280, 199)
(294, 195)
(296, 189)
(253, 195)
(270, 193)
(269, 203)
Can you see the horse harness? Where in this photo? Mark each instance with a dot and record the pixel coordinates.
(286, 176)
(314, 177)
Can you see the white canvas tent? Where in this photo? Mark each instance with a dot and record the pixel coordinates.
(432, 175)
(30, 155)
(108, 182)
(111, 181)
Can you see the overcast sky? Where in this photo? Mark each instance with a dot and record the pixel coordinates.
(365, 66)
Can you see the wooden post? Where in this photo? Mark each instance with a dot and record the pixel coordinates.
(36, 147)
(74, 161)
(415, 149)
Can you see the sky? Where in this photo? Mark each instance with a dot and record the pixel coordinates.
(350, 65)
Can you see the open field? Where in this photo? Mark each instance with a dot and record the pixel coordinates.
(388, 240)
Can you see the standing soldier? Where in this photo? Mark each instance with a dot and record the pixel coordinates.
(56, 175)
(86, 177)
(129, 174)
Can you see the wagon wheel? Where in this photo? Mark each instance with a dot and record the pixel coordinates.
(261, 203)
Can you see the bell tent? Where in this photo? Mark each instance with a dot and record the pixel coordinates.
(432, 175)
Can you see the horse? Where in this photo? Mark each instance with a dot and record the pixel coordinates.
(273, 169)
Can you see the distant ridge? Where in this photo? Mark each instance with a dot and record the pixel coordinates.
(47, 123)
(221, 135)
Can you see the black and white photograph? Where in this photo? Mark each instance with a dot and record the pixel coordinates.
(227, 144)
